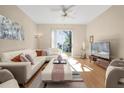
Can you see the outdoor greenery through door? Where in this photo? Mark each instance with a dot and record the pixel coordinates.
(63, 40)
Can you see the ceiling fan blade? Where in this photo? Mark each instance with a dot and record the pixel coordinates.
(69, 7)
(56, 9)
(68, 16)
(65, 8)
(69, 11)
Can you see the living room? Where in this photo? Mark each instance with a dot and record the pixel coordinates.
(104, 24)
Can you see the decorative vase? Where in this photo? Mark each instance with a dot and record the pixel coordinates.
(59, 58)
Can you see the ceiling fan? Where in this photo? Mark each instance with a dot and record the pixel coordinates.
(65, 10)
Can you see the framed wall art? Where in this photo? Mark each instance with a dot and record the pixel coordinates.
(10, 30)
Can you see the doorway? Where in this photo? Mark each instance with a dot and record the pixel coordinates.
(62, 39)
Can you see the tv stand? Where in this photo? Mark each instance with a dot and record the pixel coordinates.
(100, 61)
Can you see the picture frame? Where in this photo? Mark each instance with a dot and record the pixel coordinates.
(10, 30)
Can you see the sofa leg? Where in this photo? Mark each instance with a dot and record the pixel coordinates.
(45, 85)
(22, 86)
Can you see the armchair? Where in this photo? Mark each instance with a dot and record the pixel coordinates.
(7, 80)
(115, 74)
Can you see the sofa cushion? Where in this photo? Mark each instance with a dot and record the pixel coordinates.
(44, 53)
(7, 56)
(23, 58)
(38, 62)
(54, 51)
(35, 67)
(30, 52)
(16, 58)
(40, 59)
(48, 58)
(30, 58)
(39, 52)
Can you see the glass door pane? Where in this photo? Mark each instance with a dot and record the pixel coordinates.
(63, 40)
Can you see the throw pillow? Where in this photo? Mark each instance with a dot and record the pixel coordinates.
(44, 53)
(16, 58)
(23, 58)
(39, 52)
(29, 58)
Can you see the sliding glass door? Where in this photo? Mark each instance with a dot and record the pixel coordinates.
(62, 39)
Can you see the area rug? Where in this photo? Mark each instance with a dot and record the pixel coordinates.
(77, 82)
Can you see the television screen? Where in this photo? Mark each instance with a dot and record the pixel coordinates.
(101, 49)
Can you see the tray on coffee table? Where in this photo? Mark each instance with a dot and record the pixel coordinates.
(59, 62)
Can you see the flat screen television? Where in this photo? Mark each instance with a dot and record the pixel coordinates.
(101, 49)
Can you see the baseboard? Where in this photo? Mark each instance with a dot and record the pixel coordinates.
(76, 56)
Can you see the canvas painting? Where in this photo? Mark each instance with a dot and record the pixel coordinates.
(10, 30)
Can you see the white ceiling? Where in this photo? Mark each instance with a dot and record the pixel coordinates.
(81, 14)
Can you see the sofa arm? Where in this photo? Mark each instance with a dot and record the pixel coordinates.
(21, 70)
(5, 75)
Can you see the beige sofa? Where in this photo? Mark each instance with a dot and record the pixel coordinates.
(23, 71)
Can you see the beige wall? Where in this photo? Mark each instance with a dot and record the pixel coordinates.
(15, 14)
(78, 36)
(109, 27)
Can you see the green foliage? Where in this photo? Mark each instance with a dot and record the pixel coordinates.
(67, 41)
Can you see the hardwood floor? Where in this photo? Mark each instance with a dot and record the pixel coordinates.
(93, 75)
